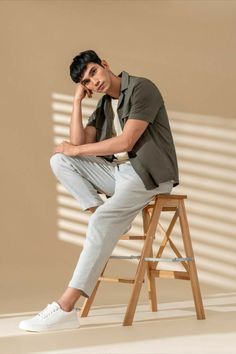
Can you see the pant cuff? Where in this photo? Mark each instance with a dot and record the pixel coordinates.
(82, 292)
(86, 207)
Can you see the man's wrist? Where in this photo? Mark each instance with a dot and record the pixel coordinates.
(80, 150)
(76, 150)
(77, 101)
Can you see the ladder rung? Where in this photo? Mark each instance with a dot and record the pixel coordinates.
(170, 274)
(183, 259)
(132, 237)
(148, 259)
(125, 257)
(169, 209)
(118, 280)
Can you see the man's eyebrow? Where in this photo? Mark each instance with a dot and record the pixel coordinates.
(82, 81)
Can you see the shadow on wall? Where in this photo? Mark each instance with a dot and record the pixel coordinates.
(206, 150)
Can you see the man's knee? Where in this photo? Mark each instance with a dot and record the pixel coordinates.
(96, 219)
(56, 162)
(102, 218)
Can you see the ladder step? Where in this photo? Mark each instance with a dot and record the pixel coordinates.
(147, 259)
(125, 257)
(118, 280)
(165, 208)
(124, 237)
(169, 209)
(186, 259)
(170, 274)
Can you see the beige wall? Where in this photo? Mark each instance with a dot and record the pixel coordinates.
(186, 47)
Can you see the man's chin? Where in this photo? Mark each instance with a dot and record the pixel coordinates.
(105, 88)
(103, 92)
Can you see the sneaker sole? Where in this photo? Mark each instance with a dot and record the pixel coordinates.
(51, 328)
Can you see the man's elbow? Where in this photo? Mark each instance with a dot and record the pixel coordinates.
(129, 145)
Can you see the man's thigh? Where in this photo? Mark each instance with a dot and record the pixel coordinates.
(96, 170)
(130, 188)
(129, 198)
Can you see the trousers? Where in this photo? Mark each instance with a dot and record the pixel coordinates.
(85, 177)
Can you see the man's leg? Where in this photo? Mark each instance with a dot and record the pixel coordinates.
(106, 225)
(83, 177)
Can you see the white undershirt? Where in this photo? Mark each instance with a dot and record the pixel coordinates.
(117, 130)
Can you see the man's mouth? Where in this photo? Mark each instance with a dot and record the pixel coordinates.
(101, 86)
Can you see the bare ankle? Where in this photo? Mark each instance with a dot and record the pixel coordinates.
(64, 306)
(92, 209)
(68, 299)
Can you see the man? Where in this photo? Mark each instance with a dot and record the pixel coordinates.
(126, 151)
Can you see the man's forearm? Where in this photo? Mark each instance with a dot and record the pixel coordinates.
(106, 147)
(123, 143)
(77, 133)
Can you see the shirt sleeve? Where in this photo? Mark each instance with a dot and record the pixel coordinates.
(92, 120)
(146, 101)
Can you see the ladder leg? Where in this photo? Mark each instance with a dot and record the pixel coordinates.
(151, 284)
(88, 302)
(192, 266)
(129, 315)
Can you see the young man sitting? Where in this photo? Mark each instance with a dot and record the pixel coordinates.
(126, 151)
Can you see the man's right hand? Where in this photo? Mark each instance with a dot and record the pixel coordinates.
(81, 92)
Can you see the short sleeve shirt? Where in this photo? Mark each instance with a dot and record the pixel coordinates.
(153, 156)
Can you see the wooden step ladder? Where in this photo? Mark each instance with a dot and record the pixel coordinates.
(147, 263)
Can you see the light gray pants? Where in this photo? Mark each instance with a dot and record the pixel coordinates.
(84, 177)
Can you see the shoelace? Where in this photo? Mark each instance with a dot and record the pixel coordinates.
(47, 311)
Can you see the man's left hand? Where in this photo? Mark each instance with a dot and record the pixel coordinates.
(67, 149)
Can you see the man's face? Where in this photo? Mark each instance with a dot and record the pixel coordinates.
(97, 78)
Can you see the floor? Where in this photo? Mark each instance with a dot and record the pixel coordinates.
(173, 329)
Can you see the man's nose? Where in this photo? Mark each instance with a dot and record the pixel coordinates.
(95, 81)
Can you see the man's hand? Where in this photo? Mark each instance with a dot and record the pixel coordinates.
(81, 91)
(67, 149)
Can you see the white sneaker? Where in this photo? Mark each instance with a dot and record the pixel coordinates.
(51, 318)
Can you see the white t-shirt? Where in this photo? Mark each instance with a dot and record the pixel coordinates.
(117, 130)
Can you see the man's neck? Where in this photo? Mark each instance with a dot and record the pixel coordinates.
(115, 88)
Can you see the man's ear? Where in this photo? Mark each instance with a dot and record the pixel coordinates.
(104, 64)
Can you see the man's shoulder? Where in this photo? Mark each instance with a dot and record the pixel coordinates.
(142, 87)
(142, 83)
(136, 80)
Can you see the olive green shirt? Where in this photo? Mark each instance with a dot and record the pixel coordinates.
(153, 156)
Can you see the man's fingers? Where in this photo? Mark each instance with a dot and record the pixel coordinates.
(58, 148)
(89, 93)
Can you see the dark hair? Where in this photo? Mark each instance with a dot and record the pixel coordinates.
(80, 62)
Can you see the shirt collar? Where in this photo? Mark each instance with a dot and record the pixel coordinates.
(124, 85)
(124, 80)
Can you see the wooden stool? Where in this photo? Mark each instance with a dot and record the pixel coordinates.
(148, 264)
